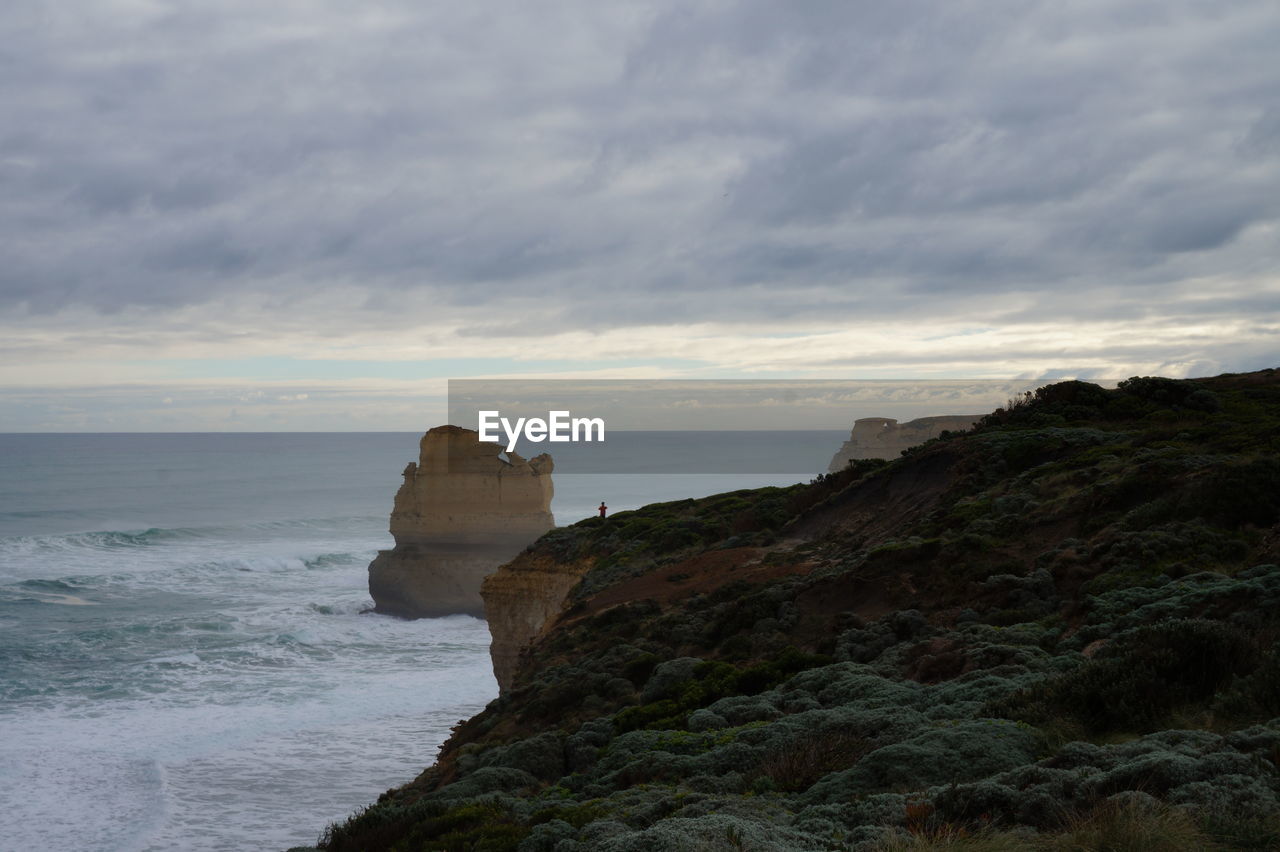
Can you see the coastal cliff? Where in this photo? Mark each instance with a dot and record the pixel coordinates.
(462, 511)
(1057, 630)
(521, 600)
(886, 438)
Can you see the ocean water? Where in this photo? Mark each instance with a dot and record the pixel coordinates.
(185, 658)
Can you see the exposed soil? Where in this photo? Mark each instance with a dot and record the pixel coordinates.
(701, 573)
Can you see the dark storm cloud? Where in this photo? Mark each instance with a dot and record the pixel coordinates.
(637, 162)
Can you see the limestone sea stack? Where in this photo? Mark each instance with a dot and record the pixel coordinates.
(462, 511)
(886, 438)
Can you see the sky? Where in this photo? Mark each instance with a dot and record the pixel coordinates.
(309, 215)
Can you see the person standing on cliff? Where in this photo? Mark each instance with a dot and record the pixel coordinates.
(603, 508)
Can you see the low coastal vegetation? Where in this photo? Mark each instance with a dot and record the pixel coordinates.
(1057, 631)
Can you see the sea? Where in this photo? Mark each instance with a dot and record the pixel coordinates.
(187, 657)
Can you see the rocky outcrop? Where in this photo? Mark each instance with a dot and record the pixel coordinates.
(522, 599)
(462, 511)
(886, 438)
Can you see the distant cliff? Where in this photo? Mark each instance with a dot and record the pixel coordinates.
(886, 438)
(462, 511)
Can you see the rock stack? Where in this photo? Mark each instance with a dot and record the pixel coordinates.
(463, 510)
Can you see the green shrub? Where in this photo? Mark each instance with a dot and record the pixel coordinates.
(640, 668)
(1162, 392)
(1201, 594)
(468, 828)
(1260, 832)
(1253, 697)
(1141, 678)
(542, 755)
(428, 827)
(953, 753)
(689, 684)
(1239, 493)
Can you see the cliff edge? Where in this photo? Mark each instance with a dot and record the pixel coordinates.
(462, 511)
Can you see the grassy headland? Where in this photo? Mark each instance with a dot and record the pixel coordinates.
(1059, 630)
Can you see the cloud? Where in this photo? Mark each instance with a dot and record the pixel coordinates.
(414, 178)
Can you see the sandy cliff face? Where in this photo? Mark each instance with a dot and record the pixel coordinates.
(521, 601)
(886, 438)
(462, 511)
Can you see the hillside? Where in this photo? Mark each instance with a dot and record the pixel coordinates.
(1058, 630)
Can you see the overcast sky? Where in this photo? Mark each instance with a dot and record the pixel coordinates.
(234, 214)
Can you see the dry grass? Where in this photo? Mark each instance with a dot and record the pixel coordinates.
(1132, 827)
(1128, 827)
(958, 839)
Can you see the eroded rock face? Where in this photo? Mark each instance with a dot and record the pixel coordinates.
(462, 511)
(522, 599)
(886, 438)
